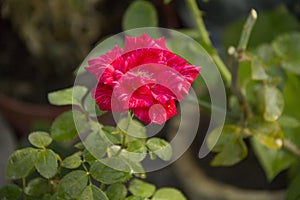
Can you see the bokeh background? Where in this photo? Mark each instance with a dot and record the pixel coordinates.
(42, 43)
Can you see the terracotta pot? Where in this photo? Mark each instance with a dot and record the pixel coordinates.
(22, 116)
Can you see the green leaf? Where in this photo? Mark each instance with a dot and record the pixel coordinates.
(229, 144)
(292, 66)
(134, 198)
(257, 69)
(91, 107)
(113, 138)
(266, 54)
(168, 194)
(116, 192)
(141, 188)
(21, 163)
(160, 147)
(38, 187)
(267, 133)
(53, 197)
(272, 66)
(46, 163)
(137, 153)
(222, 136)
(135, 166)
(73, 161)
(108, 175)
(63, 128)
(10, 192)
(293, 192)
(288, 122)
(167, 1)
(131, 159)
(231, 154)
(88, 157)
(286, 46)
(134, 129)
(96, 145)
(49, 197)
(79, 146)
(273, 161)
(68, 96)
(136, 150)
(291, 93)
(40, 139)
(72, 184)
(140, 14)
(274, 103)
(92, 192)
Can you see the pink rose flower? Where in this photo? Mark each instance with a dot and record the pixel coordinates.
(145, 77)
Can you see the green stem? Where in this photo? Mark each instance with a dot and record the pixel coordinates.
(222, 68)
(197, 15)
(238, 57)
(24, 186)
(247, 31)
(102, 186)
(124, 134)
(85, 167)
(87, 171)
(123, 145)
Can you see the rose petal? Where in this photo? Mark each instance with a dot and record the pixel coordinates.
(146, 77)
(190, 72)
(132, 91)
(142, 97)
(143, 41)
(157, 114)
(142, 114)
(98, 65)
(170, 107)
(102, 94)
(162, 94)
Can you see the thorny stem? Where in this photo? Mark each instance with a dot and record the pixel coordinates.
(197, 15)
